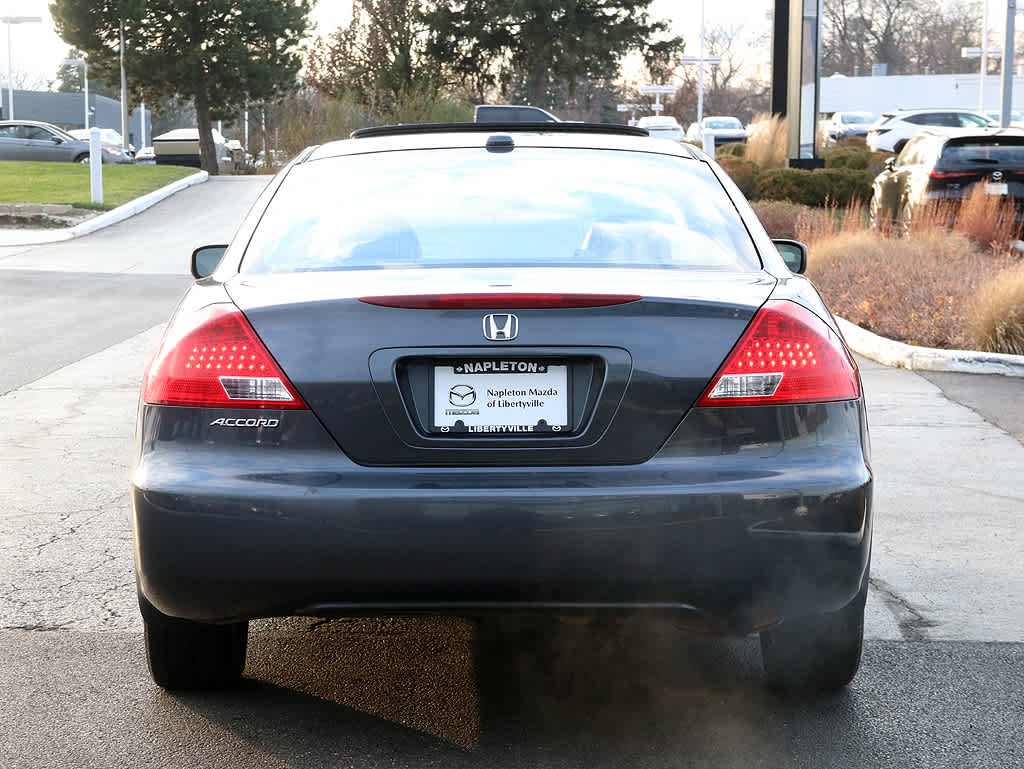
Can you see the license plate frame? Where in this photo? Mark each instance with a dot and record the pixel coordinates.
(510, 397)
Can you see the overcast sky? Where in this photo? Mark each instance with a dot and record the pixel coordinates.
(37, 50)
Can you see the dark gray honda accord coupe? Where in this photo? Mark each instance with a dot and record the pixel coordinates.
(480, 368)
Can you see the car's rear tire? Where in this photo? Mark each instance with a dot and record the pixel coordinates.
(818, 653)
(193, 655)
(898, 146)
(83, 158)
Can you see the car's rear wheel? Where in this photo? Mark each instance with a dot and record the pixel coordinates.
(83, 158)
(898, 146)
(193, 655)
(818, 653)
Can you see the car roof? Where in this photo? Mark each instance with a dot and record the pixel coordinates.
(979, 131)
(31, 122)
(575, 136)
(929, 111)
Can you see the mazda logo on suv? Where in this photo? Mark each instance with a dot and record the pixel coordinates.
(501, 327)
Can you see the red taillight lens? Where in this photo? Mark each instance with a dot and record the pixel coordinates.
(951, 174)
(786, 355)
(498, 301)
(214, 359)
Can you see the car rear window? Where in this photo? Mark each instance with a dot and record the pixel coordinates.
(997, 150)
(528, 207)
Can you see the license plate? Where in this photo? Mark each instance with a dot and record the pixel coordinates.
(997, 188)
(498, 396)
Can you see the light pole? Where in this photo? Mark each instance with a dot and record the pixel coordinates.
(984, 56)
(9, 21)
(85, 81)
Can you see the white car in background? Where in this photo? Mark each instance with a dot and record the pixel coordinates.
(727, 130)
(659, 127)
(1016, 118)
(110, 141)
(892, 131)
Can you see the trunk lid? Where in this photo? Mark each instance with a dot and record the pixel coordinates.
(391, 384)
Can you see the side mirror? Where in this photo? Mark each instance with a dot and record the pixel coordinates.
(56, 140)
(793, 253)
(205, 260)
(890, 164)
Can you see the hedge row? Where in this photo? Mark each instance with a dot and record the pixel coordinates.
(850, 168)
(835, 186)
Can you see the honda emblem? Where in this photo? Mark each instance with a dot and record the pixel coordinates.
(501, 327)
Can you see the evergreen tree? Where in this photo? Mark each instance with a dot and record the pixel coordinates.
(218, 53)
(529, 45)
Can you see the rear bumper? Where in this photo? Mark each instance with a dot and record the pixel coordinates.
(738, 534)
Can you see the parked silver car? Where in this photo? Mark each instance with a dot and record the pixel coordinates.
(32, 140)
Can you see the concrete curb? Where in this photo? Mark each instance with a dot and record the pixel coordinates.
(119, 214)
(892, 353)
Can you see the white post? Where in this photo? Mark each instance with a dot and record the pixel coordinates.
(708, 138)
(10, 76)
(984, 56)
(95, 167)
(85, 77)
(700, 70)
(142, 125)
(124, 95)
(245, 122)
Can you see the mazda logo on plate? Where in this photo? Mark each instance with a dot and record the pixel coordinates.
(462, 395)
(501, 327)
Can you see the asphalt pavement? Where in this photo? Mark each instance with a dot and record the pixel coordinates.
(940, 685)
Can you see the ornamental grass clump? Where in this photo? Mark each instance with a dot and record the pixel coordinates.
(996, 317)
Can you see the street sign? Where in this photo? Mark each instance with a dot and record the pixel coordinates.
(623, 108)
(974, 52)
(652, 89)
(657, 107)
(712, 60)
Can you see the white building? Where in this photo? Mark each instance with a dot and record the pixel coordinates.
(896, 92)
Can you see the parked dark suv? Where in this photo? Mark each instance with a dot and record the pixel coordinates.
(947, 164)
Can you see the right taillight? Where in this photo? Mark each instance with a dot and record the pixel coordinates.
(787, 355)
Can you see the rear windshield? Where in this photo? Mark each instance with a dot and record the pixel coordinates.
(473, 208)
(724, 123)
(1001, 150)
(857, 118)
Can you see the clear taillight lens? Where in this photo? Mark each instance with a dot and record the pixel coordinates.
(212, 358)
(786, 355)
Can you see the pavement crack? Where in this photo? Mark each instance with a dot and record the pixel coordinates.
(912, 623)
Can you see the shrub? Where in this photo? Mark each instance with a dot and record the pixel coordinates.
(876, 163)
(779, 217)
(840, 186)
(766, 144)
(996, 317)
(741, 171)
(851, 143)
(782, 219)
(848, 157)
(916, 289)
(736, 149)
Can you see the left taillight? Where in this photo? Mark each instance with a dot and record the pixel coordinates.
(212, 358)
(787, 355)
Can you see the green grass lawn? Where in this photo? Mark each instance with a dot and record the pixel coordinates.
(69, 182)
